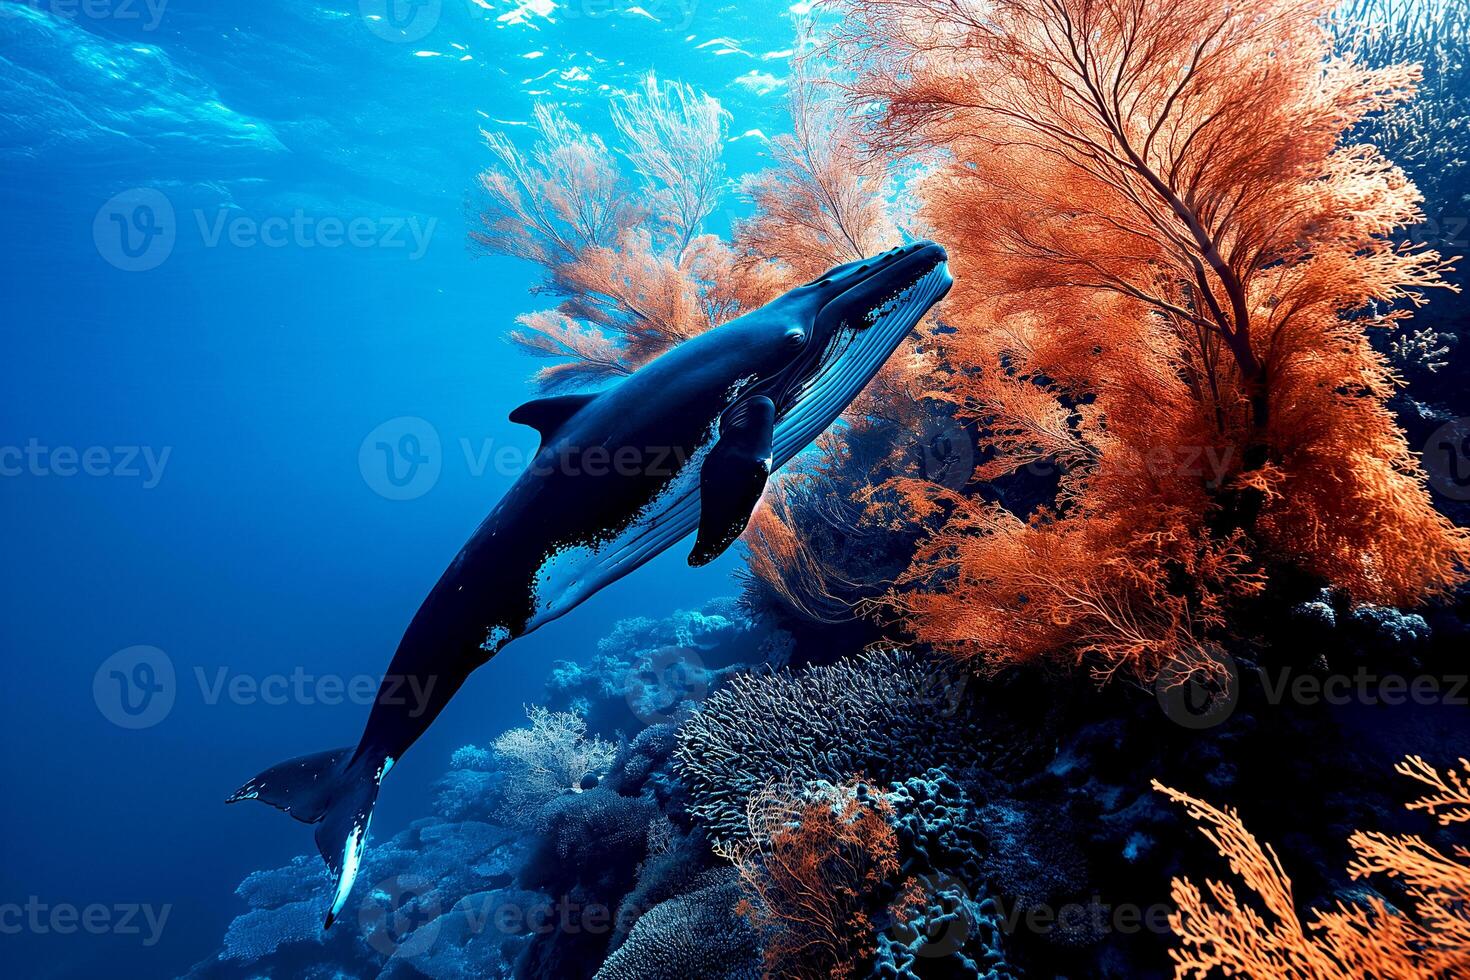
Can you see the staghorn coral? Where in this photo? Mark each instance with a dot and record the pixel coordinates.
(1357, 938)
(888, 714)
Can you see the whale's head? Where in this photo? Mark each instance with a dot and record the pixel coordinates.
(821, 343)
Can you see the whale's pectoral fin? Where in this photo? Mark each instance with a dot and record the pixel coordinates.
(547, 415)
(733, 477)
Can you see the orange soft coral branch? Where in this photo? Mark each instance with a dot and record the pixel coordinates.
(1452, 792)
(623, 252)
(1162, 251)
(1220, 936)
(814, 867)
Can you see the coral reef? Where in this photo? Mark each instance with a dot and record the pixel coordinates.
(1358, 938)
(552, 757)
(696, 934)
(648, 671)
(1196, 371)
(955, 930)
(886, 714)
(1149, 443)
(820, 873)
(434, 902)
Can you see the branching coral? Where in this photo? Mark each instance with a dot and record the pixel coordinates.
(1450, 801)
(548, 759)
(888, 714)
(1222, 935)
(1160, 250)
(825, 201)
(1427, 135)
(634, 273)
(674, 135)
(820, 872)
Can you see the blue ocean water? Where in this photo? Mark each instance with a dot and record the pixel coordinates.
(236, 278)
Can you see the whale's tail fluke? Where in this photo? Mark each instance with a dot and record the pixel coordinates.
(336, 790)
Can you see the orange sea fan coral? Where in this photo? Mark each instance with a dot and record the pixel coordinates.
(625, 254)
(816, 867)
(1162, 248)
(825, 201)
(1223, 936)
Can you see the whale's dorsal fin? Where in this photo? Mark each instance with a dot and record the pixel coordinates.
(547, 415)
(733, 477)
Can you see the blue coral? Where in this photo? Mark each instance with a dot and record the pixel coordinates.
(943, 845)
(408, 883)
(697, 935)
(887, 715)
(652, 670)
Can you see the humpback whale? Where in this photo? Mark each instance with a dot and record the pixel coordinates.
(683, 445)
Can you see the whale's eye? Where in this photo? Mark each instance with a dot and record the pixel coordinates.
(795, 337)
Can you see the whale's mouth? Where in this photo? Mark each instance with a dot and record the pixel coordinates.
(853, 334)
